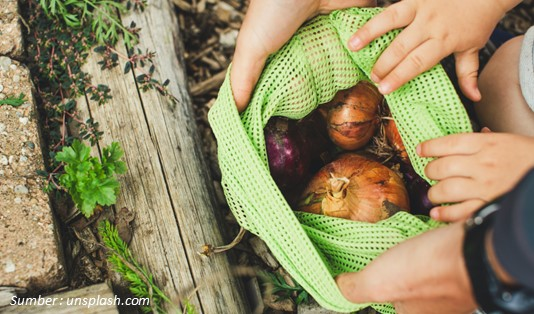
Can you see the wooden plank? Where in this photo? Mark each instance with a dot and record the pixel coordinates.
(168, 183)
(100, 297)
(175, 134)
(156, 242)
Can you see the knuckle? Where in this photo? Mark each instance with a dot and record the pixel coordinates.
(393, 15)
(433, 194)
(396, 78)
(453, 141)
(398, 48)
(418, 62)
(365, 32)
(489, 163)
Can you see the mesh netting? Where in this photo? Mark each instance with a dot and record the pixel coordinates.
(305, 73)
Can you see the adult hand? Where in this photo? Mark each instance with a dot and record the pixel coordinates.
(474, 168)
(268, 25)
(434, 29)
(425, 274)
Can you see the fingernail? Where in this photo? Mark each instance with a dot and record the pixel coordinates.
(384, 88)
(418, 150)
(375, 78)
(434, 213)
(355, 43)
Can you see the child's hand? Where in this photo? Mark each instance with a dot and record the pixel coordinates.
(434, 29)
(473, 169)
(268, 25)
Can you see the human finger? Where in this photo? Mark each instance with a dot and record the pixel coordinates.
(395, 16)
(416, 62)
(453, 190)
(455, 144)
(467, 71)
(400, 47)
(456, 212)
(244, 74)
(450, 166)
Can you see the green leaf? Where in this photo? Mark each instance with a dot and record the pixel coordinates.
(127, 67)
(67, 155)
(13, 101)
(302, 297)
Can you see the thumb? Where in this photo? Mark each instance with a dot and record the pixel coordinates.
(245, 72)
(467, 72)
(358, 287)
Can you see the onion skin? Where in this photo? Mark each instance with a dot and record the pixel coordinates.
(352, 117)
(395, 141)
(355, 188)
(289, 161)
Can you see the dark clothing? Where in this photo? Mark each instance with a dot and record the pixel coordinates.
(513, 237)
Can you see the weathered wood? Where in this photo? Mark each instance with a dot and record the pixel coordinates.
(168, 183)
(100, 297)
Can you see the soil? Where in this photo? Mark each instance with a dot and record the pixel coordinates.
(209, 29)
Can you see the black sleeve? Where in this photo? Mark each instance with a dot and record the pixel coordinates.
(513, 237)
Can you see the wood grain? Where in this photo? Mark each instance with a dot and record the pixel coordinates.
(168, 183)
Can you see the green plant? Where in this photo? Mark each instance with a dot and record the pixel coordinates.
(13, 101)
(277, 285)
(57, 53)
(141, 281)
(89, 181)
(103, 15)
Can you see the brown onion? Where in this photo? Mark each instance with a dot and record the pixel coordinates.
(356, 188)
(353, 116)
(395, 140)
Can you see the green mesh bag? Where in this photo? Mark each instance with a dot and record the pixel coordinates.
(305, 73)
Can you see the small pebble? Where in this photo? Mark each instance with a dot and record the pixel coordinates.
(30, 145)
(16, 78)
(25, 105)
(1, 88)
(11, 159)
(2, 128)
(13, 67)
(5, 62)
(228, 39)
(2, 96)
(4, 161)
(18, 200)
(21, 189)
(9, 266)
(23, 120)
(23, 159)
